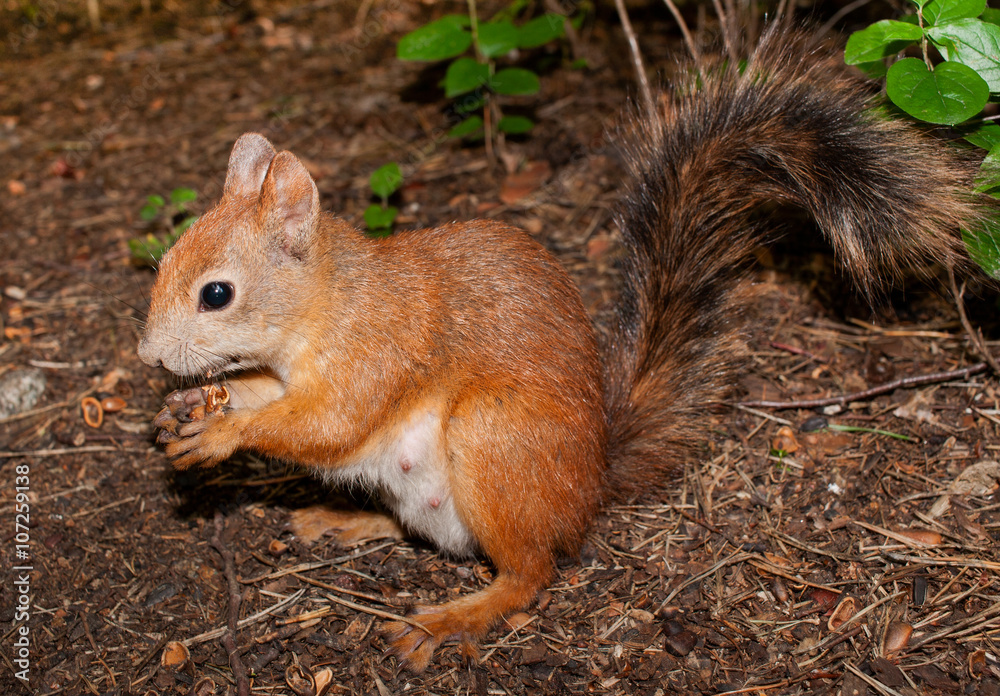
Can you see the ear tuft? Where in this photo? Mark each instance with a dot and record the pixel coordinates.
(289, 201)
(248, 163)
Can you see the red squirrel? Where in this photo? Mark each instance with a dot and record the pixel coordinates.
(455, 371)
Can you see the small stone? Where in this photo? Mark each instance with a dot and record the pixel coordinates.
(20, 390)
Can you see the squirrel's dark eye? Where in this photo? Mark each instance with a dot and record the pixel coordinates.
(216, 295)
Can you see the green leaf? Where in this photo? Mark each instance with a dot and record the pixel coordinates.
(180, 196)
(875, 70)
(515, 124)
(541, 30)
(950, 94)
(444, 38)
(467, 127)
(465, 75)
(137, 249)
(984, 135)
(497, 38)
(990, 15)
(941, 11)
(150, 249)
(515, 81)
(470, 102)
(919, 3)
(974, 43)
(512, 10)
(880, 40)
(184, 224)
(989, 171)
(149, 212)
(379, 218)
(385, 180)
(156, 200)
(984, 246)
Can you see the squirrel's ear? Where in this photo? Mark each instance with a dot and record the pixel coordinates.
(289, 201)
(248, 163)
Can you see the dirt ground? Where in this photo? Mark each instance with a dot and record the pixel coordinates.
(850, 562)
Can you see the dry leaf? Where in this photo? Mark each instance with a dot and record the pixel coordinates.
(827, 441)
(642, 616)
(518, 621)
(525, 182)
(921, 537)
(110, 380)
(980, 480)
(779, 561)
(916, 409)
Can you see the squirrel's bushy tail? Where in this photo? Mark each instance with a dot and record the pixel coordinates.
(791, 127)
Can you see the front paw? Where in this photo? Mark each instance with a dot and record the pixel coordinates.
(194, 427)
(207, 441)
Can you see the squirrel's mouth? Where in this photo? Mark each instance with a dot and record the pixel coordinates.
(232, 364)
(225, 367)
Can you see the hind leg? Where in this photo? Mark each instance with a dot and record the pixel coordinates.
(347, 527)
(467, 619)
(526, 484)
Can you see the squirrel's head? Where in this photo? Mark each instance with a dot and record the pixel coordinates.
(224, 297)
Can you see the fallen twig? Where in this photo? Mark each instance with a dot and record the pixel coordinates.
(952, 561)
(914, 381)
(379, 613)
(640, 69)
(235, 600)
(975, 336)
(736, 557)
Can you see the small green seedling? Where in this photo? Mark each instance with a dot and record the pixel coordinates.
(174, 215)
(876, 431)
(384, 182)
(957, 74)
(476, 81)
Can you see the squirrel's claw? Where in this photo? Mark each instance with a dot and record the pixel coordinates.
(414, 646)
(166, 422)
(411, 646)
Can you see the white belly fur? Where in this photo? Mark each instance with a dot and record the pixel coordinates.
(412, 474)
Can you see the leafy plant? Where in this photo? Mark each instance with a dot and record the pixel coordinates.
(948, 85)
(477, 78)
(384, 182)
(951, 91)
(174, 215)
